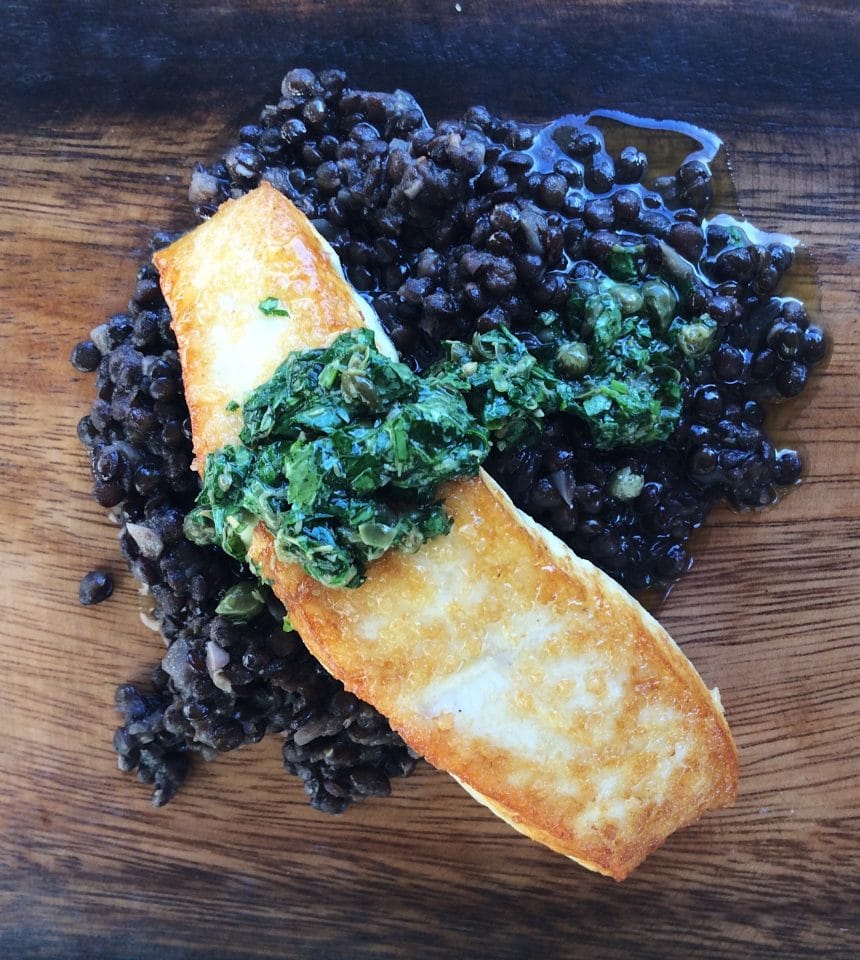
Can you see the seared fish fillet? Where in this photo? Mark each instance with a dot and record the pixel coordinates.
(530, 676)
(215, 278)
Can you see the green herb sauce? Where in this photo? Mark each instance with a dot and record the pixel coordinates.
(343, 449)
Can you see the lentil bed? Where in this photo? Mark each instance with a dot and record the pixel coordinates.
(447, 229)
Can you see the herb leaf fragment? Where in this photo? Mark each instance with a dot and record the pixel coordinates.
(272, 307)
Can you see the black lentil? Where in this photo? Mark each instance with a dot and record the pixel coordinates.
(631, 165)
(447, 229)
(95, 587)
(86, 356)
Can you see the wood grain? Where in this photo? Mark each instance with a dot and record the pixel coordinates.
(106, 106)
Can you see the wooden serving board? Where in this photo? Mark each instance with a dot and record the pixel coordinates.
(104, 108)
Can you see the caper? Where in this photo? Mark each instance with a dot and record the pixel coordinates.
(199, 528)
(660, 302)
(572, 359)
(379, 535)
(242, 602)
(695, 339)
(628, 298)
(625, 484)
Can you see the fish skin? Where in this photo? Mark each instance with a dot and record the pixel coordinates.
(519, 668)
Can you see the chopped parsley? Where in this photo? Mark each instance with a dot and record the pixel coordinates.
(623, 352)
(343, 450)
(271, 306)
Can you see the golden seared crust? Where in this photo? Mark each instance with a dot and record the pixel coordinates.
(528, 674)
(525, 672)
(214, 279)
